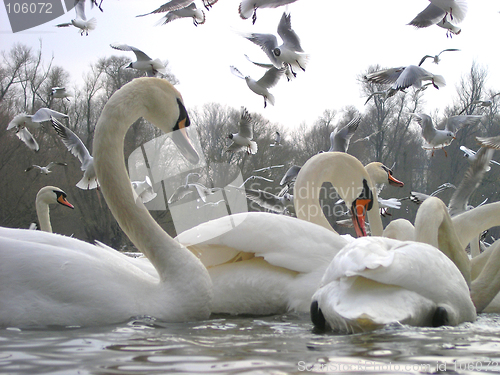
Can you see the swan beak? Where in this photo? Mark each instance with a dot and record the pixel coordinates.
(394, 181)
(359, 208)
(184, 145)
(62, 200)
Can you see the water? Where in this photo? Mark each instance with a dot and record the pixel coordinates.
(284, 344)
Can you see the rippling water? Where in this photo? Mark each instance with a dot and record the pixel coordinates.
(281, 344)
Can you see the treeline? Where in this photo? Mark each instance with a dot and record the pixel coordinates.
(386, 134)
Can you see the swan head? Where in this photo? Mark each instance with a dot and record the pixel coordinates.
(53, 195)
(380, 174)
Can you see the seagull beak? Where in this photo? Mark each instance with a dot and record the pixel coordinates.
(358, 211)
(62, 200)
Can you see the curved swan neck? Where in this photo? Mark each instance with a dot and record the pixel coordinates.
(473, 222)
(43, 214)
(345, 173)
(143, 98)
(485, 287)
(434, 226)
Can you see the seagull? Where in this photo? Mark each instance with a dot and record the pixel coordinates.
(260, 87)
(438, 10)
(81, 20)
(435, 137)
(174, 5)
(340, 137)
(60, 92)
(290, 175)
(471, 155)
(472, 178)
(289, 54)
(144, 62)
(190, 11)
(144, 190)
(242, 141)
(270, 201)
(485, 103)
(404, 77)
(249, 8)
(367, 138)
(78, 149)
(418, 198)
(45, 170)
(288, 72)
(435, 58)
(277, 140)
(190, 187)
(23, 123)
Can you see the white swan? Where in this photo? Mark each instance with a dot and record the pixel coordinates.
(46, 196)
(262, 263)
(375, 281)
(434, 226)
(49, 279)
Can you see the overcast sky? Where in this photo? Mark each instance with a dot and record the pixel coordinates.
(342, 38)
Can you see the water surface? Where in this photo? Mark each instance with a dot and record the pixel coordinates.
(284, 344)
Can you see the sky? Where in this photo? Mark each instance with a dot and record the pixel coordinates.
(342, 38)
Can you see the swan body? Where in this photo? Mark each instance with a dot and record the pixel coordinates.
(46, 196)
(376, 281)
(49, 279)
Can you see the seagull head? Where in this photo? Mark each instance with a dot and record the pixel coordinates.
(230, 136)
(277, 52)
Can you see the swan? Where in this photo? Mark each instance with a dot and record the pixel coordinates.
(46, 196)
(262, 263)
(434, 226)
(374, 281)
(49, 279)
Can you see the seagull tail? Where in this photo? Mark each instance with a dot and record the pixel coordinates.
(91, 23)
(270, 98)
(253, 147)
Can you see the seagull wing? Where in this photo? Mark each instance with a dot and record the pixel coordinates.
(44, 114)
(428, 17)
(467, 151)
(80, 9)
(171, 5)
(385, 76)
(234, 147)
(425, 58)
(472, 178)
(236, 72)
(268, 43)
(448, 50)
(141, 56)
(72, 142)
(410, 76)
(245, 125)
(425, 122)
(271, 77)
(341, 138)
(290, 37)
(262, 65)
(290, 175)
(265, 199)
(491, 142)
(24, 135)
(455, 123)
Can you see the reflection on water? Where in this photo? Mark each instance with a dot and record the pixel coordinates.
(241, 345)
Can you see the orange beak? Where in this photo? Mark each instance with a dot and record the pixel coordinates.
(62, 200)
(394, 181)
(359, 208)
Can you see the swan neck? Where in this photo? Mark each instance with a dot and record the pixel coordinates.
(42, 212)
(483, 218)
(486, 286)
(168, 257)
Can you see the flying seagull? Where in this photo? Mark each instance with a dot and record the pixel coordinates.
(143, 62)
(242, 141)
(81, 20)
(78, 149)
(436, 59)
(341, 137)
(46, 169)
(248, 8)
